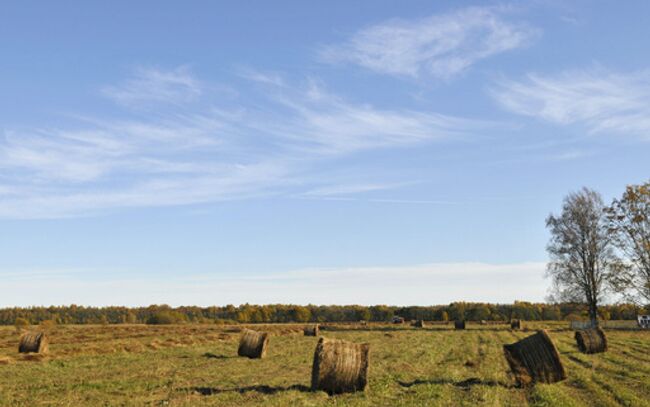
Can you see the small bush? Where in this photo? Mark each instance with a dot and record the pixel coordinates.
(21, 323)
(219, 321)
(48, 325)
(167, 318)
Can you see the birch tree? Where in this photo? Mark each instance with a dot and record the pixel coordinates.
(629, 221)
(581, 251)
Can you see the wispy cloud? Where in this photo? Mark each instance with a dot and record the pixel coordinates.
(225, 182)
(570, 155)
(319, 121)
(269, 78)
(600, 100)
(88, 153)
(347, 189)
(198, 152)
(397, 201)
(442, 45)
(152, 85)
(436, 283)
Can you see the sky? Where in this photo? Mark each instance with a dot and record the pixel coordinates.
(339, 152)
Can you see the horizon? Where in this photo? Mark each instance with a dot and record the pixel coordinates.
(293, 153)
(495, 304)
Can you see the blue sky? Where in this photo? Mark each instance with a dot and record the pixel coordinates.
(295, 152)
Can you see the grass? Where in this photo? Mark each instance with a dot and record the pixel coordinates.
(194, 365)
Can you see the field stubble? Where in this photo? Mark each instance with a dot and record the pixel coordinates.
(190, 365)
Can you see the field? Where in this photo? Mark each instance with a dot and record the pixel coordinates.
(190, 365)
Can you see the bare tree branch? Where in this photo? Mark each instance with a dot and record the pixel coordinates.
(581, 253)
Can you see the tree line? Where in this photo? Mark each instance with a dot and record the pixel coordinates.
(247, 313)
(598, 250)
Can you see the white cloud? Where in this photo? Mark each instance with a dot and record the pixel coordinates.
(269, 78)
(328, 124)
(600, 100)
(151, 85)
(442, 45)
(570, 155)
(437, 283)
(219, 183)
(88, 153)
(198, 153)
(347, 189)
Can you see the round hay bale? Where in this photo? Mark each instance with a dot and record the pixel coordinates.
(340, 366)
(515, 324)
(459, 324)
(591, 340)
(535, 359)
(419, 323)
(253, 344)
(312, 330)
(33, 342)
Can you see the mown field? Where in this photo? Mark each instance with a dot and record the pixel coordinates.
(194, 365)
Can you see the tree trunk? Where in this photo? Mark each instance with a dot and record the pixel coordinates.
(593, 314)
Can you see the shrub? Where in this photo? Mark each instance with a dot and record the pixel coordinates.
(220, 321)
(21, 323)
(48, 325)
(166, 318)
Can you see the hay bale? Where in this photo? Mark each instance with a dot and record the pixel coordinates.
(253, 344)
(459, 324)
(591, 340)
(312, 330)
(419, 323)
(535, 359)
(515, 324)
(340, 366)
(33, 342)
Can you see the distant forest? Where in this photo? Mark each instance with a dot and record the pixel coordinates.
(162, 314)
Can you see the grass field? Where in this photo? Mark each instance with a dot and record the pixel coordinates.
(190, 365)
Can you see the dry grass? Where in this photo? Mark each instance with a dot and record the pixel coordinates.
(195, 365)
(6, 360)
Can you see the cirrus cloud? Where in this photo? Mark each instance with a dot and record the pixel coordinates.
(199, 152)
(442, 45)
(600, 100)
